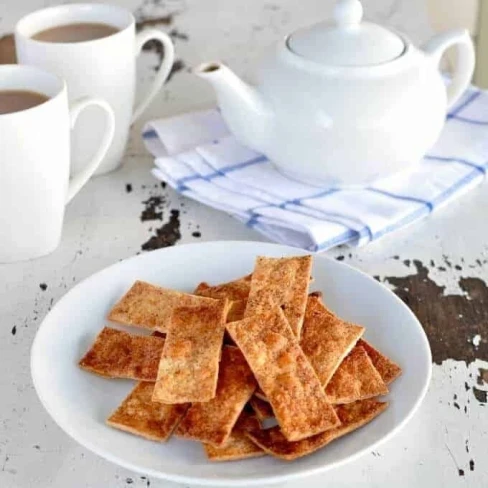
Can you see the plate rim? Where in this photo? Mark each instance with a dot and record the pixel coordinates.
(228, 481)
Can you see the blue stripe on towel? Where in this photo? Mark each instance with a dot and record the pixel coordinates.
(409, 218)
(471, 121)
(402, 197)
(444, 159)
(344, 238)
(436, 202)
(222, 172)
(465, 104)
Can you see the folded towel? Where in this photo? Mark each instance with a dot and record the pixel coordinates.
(196, 154)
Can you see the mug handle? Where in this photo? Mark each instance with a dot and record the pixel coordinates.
(463, 73)
(78, 181)
(163, 71)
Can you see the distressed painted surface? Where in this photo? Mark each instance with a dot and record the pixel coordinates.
(439, 267)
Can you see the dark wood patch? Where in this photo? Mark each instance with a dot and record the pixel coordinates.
(143, 22)
(480, 395)
(450, 321)
(167, 235)
(153, 208)
(483, 376)
(176, 34)
(178, 65)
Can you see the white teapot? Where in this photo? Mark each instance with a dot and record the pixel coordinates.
(345, 102)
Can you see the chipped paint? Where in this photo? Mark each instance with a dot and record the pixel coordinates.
(450, 321)
(480, 395)
(167, 235)
(104, 223)
(153, 208)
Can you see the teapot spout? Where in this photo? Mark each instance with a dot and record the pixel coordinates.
(244, 110)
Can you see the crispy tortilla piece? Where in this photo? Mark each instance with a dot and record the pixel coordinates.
(284, 374)
(326, 339)
(118, 354)
(238, 445)
(353, 416)
(280, 282)
(260, 394)
(262, 408)
(139, 415)
(236, 291)
(387, 369)
(189, 365)
(212, 422)
(151, 307)
(355, 379)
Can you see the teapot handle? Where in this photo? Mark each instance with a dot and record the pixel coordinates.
(463, 73)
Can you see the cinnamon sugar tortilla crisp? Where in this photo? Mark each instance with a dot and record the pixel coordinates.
(387, 369)
(238, 445)
(284, 374)
(151, 307)
(326, 339)
(280, 282)
(262, 408)
(189, 364)
(212, 422)
(139, 415)
(260, 394)
(118, 354)
(236, 291)
(355, 379)
(352, 416)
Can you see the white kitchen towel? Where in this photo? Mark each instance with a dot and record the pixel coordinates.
(199, 158)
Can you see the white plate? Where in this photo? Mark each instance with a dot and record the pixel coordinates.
(80, 402)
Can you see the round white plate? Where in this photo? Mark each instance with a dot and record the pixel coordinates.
(80, 402)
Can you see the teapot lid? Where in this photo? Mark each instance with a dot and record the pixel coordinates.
(347, 41)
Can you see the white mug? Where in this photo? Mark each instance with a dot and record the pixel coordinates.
(104, 68)
(35, 163)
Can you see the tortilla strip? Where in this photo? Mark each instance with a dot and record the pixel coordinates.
(280, 282)
(233, 290)
(326, 339)
(236, 291)
(238, 445)
(387, 369)
(118, 354)
(355, 379)
(262, 408)
(260, 394)
(353, 416)
(139, 415)
(212, 422)
(150, 306)
(189, 365)
(284, 374)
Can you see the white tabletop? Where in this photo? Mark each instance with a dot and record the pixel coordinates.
(438, 266)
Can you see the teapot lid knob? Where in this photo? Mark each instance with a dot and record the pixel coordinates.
(348, 13)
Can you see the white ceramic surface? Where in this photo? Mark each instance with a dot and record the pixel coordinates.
(35, 163)
(80, 402)
(368, 107)
(104, 68)
(347, 40)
